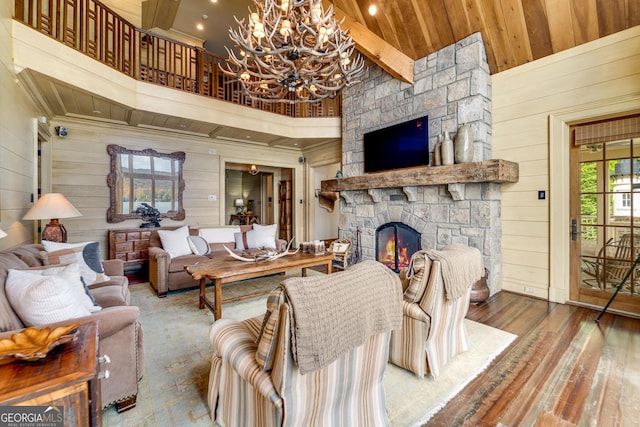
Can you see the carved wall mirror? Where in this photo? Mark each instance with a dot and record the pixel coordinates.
(145, 176)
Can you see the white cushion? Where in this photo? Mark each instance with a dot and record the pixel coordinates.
(70, 273)
(39, 300)
(248, 237)
(86, 254)
(175, 242)
(219, 234)
(266, 235)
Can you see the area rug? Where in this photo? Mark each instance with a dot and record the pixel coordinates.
(173, 390)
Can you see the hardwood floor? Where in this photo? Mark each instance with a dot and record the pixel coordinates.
(564, 369)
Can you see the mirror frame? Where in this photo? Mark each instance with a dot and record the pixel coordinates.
(114, 151)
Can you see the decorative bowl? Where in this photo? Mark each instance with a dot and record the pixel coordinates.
(35, 343)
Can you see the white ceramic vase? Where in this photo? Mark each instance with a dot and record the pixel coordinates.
(446, 150)
(463, 147)
(437, 152)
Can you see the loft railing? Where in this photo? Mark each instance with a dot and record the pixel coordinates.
(90, 27)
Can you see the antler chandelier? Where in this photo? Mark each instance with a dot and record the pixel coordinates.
(292, 52)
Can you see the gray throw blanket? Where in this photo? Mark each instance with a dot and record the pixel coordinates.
(330, 315)
(462, 266)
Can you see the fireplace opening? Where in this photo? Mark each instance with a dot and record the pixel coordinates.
(395, 244)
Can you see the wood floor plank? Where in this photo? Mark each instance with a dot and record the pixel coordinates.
(562, 370)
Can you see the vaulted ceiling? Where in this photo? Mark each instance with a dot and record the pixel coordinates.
(514, 31)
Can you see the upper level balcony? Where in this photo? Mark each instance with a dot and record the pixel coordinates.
(86, 45)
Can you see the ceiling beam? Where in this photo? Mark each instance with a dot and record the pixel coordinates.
(159, 13)
(376, 49)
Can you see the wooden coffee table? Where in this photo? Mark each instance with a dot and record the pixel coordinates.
(227, 269)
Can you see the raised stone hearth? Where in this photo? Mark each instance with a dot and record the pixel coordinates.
(452, 87)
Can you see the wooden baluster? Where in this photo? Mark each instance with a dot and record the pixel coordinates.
(90, 27)
(200, 67)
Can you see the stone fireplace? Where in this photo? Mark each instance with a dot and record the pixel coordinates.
(452, 87)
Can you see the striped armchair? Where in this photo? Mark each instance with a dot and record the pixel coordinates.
(433, 330)
(255, 379)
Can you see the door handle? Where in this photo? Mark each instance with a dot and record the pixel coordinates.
(574, 229)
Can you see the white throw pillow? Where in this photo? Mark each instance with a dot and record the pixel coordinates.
(218, 234)
(86, 254)
(176, 242)
(266, 235)
(40, 300)
(70, 273)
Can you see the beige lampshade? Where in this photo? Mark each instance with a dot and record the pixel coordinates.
(2, 234)
(52, 205)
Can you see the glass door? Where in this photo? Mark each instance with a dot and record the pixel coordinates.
(605, 223)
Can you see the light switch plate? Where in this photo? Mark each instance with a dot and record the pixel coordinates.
(212, 197)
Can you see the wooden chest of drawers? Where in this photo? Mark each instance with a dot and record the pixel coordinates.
(130, 245)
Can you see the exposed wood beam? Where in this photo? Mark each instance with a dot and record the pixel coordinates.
(376, 49)
(159, 13)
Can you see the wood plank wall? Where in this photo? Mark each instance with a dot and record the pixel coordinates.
(17, 135)
(80, 165)
(584, 83)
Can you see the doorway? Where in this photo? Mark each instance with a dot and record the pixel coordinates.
(605, 213)
(253, 196)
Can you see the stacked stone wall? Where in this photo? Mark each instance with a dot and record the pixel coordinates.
(453, 87)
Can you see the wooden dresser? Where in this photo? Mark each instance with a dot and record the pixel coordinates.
(66, 377)
(130, 245)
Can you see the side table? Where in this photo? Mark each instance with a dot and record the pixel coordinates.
(244, 219)
(66, 377)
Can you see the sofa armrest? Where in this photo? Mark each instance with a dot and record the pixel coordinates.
(112, 320)
(232, 342)
(159, 260)
(113, 267)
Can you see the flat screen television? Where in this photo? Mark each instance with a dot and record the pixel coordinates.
(399, 146)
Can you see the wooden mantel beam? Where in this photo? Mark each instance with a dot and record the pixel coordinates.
(496, 170)
(376, 49)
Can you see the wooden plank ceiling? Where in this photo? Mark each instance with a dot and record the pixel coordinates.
(514, 31)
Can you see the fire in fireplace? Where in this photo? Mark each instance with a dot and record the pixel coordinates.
(395, 243)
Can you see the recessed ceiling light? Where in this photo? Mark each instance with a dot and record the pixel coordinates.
(205, 17)
(200, 27)
(248, 136)
(97, 112)
(214, 1)
(373, 9)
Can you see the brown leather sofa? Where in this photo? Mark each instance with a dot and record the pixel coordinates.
(119, 330)
(169, 274)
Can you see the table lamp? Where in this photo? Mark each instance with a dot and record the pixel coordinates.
(239, 203)
(53, 206)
